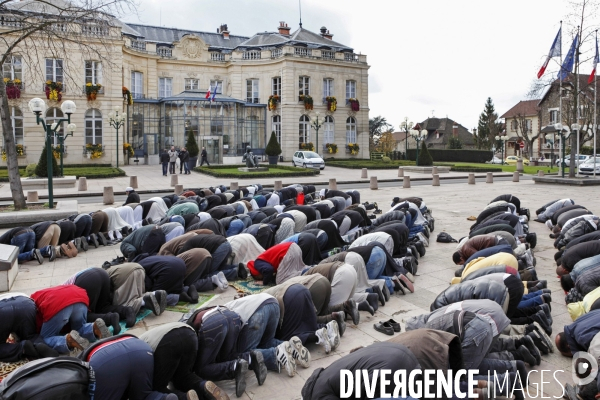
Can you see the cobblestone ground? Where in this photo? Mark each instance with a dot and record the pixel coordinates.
(451, 205)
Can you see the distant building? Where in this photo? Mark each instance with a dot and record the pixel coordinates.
(523, 121)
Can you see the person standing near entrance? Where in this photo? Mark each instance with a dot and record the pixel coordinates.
(164, 159)
(172, 159)
(204, 157)
(184, 157)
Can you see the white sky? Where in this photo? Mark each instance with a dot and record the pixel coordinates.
(442, 55)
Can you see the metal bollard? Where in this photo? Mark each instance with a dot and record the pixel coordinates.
(174, 180)
(278, 185)
(133, 181)
(363, 174)
(471, 180)
(32, 197)
(332, 184)
(82, 184)
(400, 172)
(233, 186)
(516, 176)
(108, 196)
(436, 180)
(406, 182)
(489, 178)
(178, 189)
(373, 183)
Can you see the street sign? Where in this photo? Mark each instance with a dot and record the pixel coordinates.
(522, 145)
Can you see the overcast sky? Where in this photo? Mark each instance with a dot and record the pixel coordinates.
(427, 56)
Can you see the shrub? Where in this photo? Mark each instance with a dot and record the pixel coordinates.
(273, 147)
(41, 170)
(424, 156)
(454, 143)
(475, 169)
(386, 159)
(471, 156)
(30, 169)
(191, 145)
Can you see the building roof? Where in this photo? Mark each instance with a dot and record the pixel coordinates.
(585, 88)
(169, 35)
(399, 136)
(523, 108)
(443, 127)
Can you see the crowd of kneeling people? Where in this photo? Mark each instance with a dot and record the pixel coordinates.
(320, 255)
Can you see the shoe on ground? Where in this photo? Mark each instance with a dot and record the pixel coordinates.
(257, 364)
(351, 310)
(75, 341)
(300, 353)
(213, 392)
(130, 317)
(395, 325)
(102, 239)
(151, 303)
(100, 329)
(384, 327)
(94, 239)
(240, 377)
(376, 289)
(84, 243)
(339, 317)
(323, 339)
(285, 359)
(161, 298)
(51, 253)
(334, 334)
(37, 255)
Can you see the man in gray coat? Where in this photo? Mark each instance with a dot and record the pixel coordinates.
(173, 155)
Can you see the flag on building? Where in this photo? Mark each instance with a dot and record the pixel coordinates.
(596, 60)
(214, 94)
(207, 93)
(555, 51)
(567, 66)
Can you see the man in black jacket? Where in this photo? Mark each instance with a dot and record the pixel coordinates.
(132, 196)
(184, 157)
(204, 157)
(164, 159)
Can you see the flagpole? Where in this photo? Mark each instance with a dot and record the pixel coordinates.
(560, 152)
(595, 103)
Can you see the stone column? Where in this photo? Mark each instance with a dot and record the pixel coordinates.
(434, 170)
(108, 196)
(233, 186)
(32, 196)
(540, 173)
(133, 181)
(82, 184)
(436, 180)
(174, 180)
(178, 189)
(332, 184)
(471, 180)
(363, 174)
(516, 176)
(489, 178)
(520, 164)
(278, 185)
(406, 182)
(400, 172)
(373, 183)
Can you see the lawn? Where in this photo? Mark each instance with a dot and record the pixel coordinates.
(533, 170)
(231, 171)
(89, 172)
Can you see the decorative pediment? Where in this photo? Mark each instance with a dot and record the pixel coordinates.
(192, 46)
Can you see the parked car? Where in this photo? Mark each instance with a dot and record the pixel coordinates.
(512, 160)
(495, 160)
(580, 159)
(587, 167)
(308, 159)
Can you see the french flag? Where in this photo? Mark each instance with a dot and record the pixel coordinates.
(555, 51)
(208, 93)
(596, 60)
(214, 94)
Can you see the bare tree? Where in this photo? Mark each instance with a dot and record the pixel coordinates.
(35, 29)
(523, 127)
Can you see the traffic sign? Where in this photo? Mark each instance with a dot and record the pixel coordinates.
(522, 145)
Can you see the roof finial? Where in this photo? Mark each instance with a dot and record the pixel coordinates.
(300, 7)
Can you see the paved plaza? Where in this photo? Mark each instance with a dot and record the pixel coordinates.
(451, 205)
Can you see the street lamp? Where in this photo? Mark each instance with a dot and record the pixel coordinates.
(117, 121)
(38, 106)
(564, 134)
(418, 136)
(501, 139)
(61, 141)
(406, 126)
(550, 138)
(316, 126)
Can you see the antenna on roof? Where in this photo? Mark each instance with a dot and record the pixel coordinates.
(300, 7)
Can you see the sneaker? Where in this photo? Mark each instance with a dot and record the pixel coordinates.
(51, 253)
(323, 339)
(538, 328)
(541, 319)
(406, 282)
(151, 303)
(526, 355)
(75, 341)
(84, 243)
(161, 298)
(213, 392)
(334, 334)
(257, 364)
(299, 352)
(94, 240)
(535, 352)
(37, 255)
(339, 317)
(539, 342)
(240, 377)
(100, 329)
(285, 358)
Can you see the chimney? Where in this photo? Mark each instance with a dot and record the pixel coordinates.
(224, 31)
(455, 130)
(325, 33)
(283, 28)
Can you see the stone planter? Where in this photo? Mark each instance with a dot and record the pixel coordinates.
(192, 162)
(273, 160)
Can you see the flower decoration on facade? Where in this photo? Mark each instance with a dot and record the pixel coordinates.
(331, 148)
(331, 103)
(307, 146)
(92, 90)
(20, 151)
(128, 149)
(273, 101)
(354, 148)
(354, 104)
(94, 151)
(13, 88)
(307, 100)
(127, 96)
(53, 90)
(56, 152)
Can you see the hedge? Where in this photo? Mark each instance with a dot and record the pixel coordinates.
(474, 156)
(475, 169)
(233, 173)
(69, 166)
(370, 164)
(87, 171)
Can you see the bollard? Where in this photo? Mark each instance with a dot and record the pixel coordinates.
(363, 174)
(400, 172)
(471, 180)
(436, 180)
(174, 180)
(434, 170)
(233, 186)
(540, 172)
(278, 185)
(516, 176)
(406, 182)
(332, 184)
(108, 196)
(373, 184)
(490, 177)
(32, 197)
(82, 184)
(520, 164)
(133, 181)
(178, 189)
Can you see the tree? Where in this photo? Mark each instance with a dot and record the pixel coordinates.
(488, 126)
(386, 142)
(41, 170)
(39, 28)
(377, 126)
(424, 156)
(454, 143)
(273, 148)
(191, 145)
(522, 125)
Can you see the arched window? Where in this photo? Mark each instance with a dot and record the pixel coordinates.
(16, 117)
(93, 126)
(53, 115)
(277, 127)
(350, 130)
(328, 130)
(304, 129)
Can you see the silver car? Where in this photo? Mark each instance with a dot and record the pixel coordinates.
(308, 159)
(587, 168)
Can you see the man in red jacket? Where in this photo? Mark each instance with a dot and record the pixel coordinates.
(62, 305)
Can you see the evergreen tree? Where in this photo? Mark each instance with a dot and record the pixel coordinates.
(273, 147)
(41, 170)
(424, 156)
(488, 126)
(454, 143)
(191, 145)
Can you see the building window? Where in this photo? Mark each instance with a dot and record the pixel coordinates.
(54, 70)
(93, 126)
(93, 72)
(137, 86)
(138, 45)
(327, 88)
(16, 117)
(277, 127)
(165, 87)
(328, 130)
(328, 55)
(350, 130)
(216, 85)
(304, 86)
(192, 84)
(13, 68)
(554, 116)
(528, 125)
(304, 129)
(276, 86)
(350, 90)
(302, 51)
(514, 125)
(252, 91)
(52, 116)
(251, 55)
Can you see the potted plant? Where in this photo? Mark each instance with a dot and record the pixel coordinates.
(274, 99)
(13, 88)
(92, 90)
(127, 96)
(273, 149)
(307, 100)
(192, 147)
(331, 103)
(354, 148)
(307, 146)
(128, 149)
(53, 90)
(331, 148)
(94, 151)
(354, 104)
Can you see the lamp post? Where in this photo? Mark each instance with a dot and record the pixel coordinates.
(418, 136)
(550, 138)
(61, 141)
(564, 135)
(316, 126)
(501, 139)
(117, 121)
(407, 126)
(38, 106)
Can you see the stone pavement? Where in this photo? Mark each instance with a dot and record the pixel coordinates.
(451, 205)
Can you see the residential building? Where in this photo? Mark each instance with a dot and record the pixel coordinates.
(522, 123)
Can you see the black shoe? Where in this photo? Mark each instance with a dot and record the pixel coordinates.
(531, 238)
(376, 289)
(151, 303)
(533, 350)
(130, 317)
(193, 293)
(84, 243)
(112, 319)
(242, 272)
(94, 239)
(386, 293)
(352, 311)
(542, 284)
(37, 255)
(240, 377)
(542, 320)
(106, 265)
(161, 298)
(44, 350)
(339, 317)
(52, 253)
(366, 306)
(102, 238)
(546, 309)
(257, 364)
(539, 342)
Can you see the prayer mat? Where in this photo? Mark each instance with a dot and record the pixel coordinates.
(140, 316)
(184, 307)
(249, 286)
(6, 367)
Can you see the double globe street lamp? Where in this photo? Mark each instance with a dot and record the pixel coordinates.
(418, 136)
(316, 126)
(117, 121)
(38, 106)
(501, 139)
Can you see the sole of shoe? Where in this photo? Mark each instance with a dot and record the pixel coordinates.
(84, 244)
(94, 240)
(78, 342)
(37, 255)
(291, 364)
(153, 306)
(303, 354)
(407, 283)
(162, 302)
(544, 336)
(52, 255)
(192, 395)
(100, 329)
(261, 371)
(240, 384)
(335, 341)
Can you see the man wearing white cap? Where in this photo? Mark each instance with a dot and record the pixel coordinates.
(132, 196)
